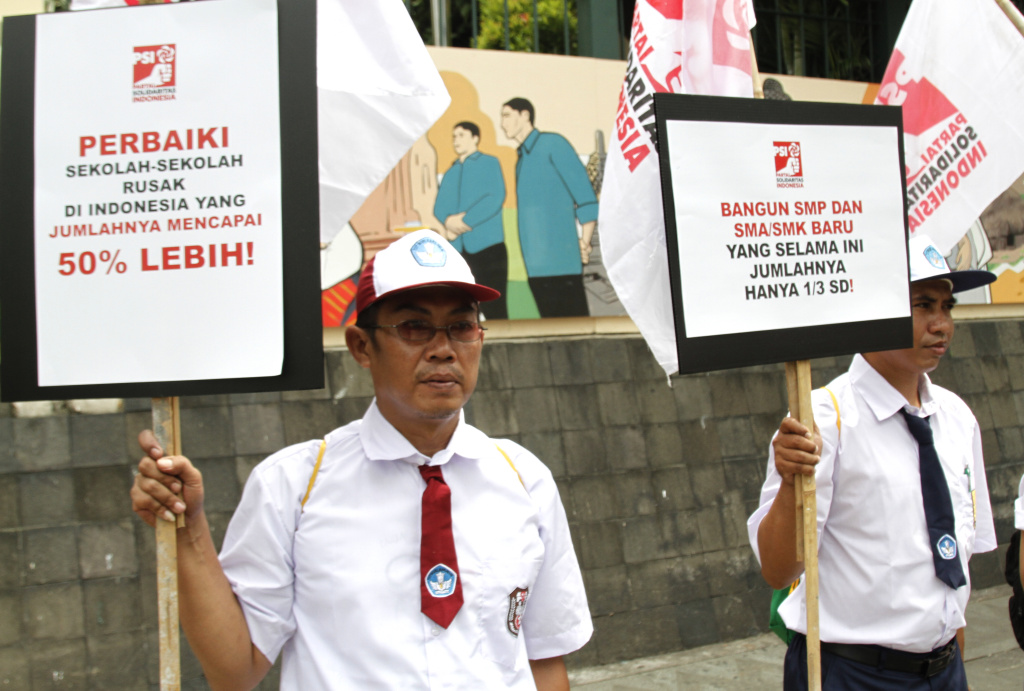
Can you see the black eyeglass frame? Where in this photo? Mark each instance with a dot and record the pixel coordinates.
(480, 328)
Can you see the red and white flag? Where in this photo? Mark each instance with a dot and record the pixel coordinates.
(676, 46)
(377, 90)
(958, 72)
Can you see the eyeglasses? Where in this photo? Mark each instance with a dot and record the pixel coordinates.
(419, 331)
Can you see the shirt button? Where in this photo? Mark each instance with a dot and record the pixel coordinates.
(436, 631)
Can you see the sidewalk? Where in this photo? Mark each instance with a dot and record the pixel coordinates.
(994, 662)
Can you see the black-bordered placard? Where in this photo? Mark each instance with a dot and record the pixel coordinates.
(786, 229)
(173, 199)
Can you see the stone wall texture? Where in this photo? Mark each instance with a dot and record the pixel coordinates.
(657, 482)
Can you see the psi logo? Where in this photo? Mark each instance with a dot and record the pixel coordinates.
(154, 73)
(789, 166)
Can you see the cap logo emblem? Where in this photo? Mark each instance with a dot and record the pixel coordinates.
(429, 253)
(440, 581)
(947, 547)
(934, 258)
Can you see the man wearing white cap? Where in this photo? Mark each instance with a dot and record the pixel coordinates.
(902, 505)
(406, 550)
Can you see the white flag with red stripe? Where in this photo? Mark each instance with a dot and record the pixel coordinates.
(676, 46)
(958, 72)
(378, 92)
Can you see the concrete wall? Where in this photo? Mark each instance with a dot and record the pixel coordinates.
(657, 483)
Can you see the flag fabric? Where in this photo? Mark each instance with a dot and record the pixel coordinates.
(958, 72)
(100, 4)
(378, 92)
(676, 46)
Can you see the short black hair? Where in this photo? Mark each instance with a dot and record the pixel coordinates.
(469, 127)
(520, 104)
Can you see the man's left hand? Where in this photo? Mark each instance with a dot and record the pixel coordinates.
(456, 224)
(585, 249)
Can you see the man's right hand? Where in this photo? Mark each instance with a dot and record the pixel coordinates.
(797, 450)
(160, 481)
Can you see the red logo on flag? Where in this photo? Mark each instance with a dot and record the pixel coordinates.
(789, 165)
(924, 106)
(154, 66)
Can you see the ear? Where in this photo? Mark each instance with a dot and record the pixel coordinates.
(359, 345)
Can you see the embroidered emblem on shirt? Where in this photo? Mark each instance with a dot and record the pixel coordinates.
(934, 258)
(428, 252)
(947, 547)
(441, 581)
(516, 606)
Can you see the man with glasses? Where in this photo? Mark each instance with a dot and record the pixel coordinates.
(407, 550)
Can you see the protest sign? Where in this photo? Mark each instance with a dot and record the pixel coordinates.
(159, 197)
(786, 229)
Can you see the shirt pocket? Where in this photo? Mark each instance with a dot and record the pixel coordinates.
(962, 495)
(502, 600)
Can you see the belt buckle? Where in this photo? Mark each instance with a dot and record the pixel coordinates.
(934, 665)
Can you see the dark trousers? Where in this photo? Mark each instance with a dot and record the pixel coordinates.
(840, 674)
(490, 268)
(560, 296)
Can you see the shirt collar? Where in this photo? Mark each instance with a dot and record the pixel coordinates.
(382, 442)
(882, 398)
(471, 157)
(530, 141)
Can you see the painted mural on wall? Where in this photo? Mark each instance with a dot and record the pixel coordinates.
(511, 175)
(514, 191)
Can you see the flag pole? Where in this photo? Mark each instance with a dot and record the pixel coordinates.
(798, 386)
(1013, 14)
(167, 429)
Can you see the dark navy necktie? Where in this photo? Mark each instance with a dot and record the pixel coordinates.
(938, 507)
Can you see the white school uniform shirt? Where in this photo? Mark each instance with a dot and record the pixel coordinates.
(877, 582)
(1018, 507)
(336, 585)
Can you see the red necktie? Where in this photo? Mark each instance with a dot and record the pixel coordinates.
(440, 587)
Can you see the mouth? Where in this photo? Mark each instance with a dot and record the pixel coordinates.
(939, 348)
(441, 380)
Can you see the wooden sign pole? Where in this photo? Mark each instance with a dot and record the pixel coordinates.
(167, 429)
(1012, 13)
(798, 385)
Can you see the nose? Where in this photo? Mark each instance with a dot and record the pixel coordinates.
(941, 323)
(440, 346)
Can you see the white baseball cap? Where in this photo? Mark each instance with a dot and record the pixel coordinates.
(928, 264)
(420, 259)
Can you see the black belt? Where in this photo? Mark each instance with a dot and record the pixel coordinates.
(922, 664)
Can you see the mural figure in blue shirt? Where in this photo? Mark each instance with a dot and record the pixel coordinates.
(469, 202)
(553, 192)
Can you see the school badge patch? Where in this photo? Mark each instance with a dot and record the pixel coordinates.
(516, 606)
(429, 253)
(947, 547)
(934, 258)
(440, 581)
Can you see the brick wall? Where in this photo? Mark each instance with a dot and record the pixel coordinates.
(657, 483)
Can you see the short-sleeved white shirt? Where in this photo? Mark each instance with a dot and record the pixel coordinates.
(1018, 507)
(336, 586)
(877, 582)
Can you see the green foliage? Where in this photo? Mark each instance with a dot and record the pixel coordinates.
(550, 19)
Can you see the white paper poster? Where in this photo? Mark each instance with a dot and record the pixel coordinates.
(158, 194)
(786, 226)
